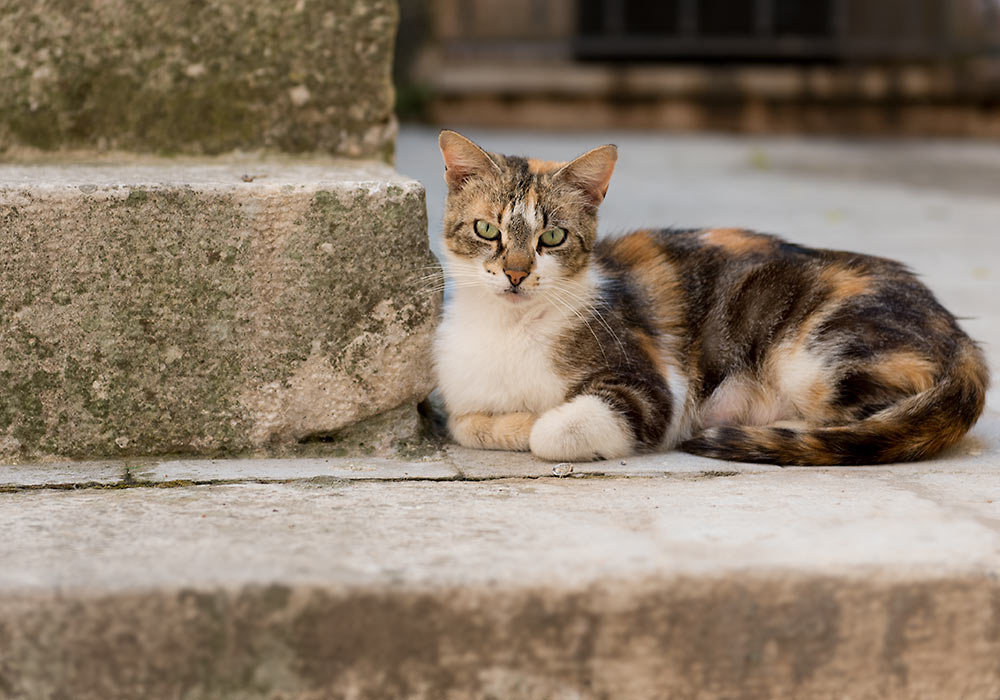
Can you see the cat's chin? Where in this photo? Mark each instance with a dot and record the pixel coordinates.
(511, 297)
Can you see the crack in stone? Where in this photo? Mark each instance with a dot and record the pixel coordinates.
(129, 481)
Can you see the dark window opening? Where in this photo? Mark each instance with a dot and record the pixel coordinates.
(797, 18)
(763, 31)
(730, 18)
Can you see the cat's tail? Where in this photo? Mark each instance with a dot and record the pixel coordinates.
(916, 427)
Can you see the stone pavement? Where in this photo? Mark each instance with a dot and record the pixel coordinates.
(465, 574)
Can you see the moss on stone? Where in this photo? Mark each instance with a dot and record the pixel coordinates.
(140, 323)
(168, 77)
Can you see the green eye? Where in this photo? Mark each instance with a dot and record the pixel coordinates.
(553, 237)
(485, 229)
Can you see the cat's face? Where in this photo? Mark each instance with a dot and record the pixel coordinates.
(517, 227)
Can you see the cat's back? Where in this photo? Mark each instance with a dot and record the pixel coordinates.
(718, 250)
(739, 292)
(705, 263)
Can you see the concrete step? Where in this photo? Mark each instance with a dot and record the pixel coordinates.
(207, 307)
(200, 78)
(483, 575)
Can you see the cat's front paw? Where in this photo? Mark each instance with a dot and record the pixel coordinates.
(484, 431)
(585, 428)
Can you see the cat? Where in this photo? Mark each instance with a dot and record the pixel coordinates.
(720, 342)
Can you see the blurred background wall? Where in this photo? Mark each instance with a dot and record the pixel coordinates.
(916, 67)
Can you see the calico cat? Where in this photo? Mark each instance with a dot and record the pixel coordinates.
(720, 342)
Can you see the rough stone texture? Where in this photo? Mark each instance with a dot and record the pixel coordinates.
(162, 307)
(198, 77)
(400, 579)
(772, 637)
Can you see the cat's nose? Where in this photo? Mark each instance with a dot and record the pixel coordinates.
(515, 276)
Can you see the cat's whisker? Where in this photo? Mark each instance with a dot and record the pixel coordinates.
(600, 317)
(590, 328)
(458, 273)
(442, 282)
(588, 305)
(456, 285)
(438, 279)
(430, 280)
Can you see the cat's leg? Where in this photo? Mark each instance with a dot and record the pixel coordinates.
(609, 417)
(508, 431)
(584, 428)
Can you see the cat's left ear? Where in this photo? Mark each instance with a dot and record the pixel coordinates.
(591, 172)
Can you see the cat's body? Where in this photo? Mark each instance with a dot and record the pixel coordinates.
(723, 342)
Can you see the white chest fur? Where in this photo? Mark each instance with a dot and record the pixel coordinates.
(492, 358)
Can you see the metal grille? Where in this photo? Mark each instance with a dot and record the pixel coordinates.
(776, 30)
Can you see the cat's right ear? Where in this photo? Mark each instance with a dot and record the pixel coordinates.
(463, 159)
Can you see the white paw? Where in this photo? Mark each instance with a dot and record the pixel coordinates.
(582, 429)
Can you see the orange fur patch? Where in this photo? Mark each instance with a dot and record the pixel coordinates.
(905, 370)
(801, 379)
(514, 427)
(737, 241)
(652, 351)
(654, 272)
(531, 199)
(637, 248)
(504, 432)
(845, 283)
(971, 369)
(543, 166)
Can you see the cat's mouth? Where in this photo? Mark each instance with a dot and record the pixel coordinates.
(514, 295)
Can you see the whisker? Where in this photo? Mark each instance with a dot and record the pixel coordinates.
(600, 317)
(600, 345)
(442, 288)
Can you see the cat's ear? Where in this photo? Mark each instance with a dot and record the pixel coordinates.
(463, 159)
(591, 172)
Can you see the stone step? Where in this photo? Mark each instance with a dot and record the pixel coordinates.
(480, 575)
(199, 78)
(210, 308)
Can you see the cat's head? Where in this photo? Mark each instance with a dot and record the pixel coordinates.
(518, 226)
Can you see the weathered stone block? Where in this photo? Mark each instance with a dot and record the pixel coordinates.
(165, 308)
(769, 635)
(198, 77)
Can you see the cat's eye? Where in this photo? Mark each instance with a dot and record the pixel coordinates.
(484, 229)
(553, 237)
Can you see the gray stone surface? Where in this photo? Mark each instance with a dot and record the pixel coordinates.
(930, 204)
(772, 636)
(62, 474)
(978, 454)
(295, 469)
(204, 78)
(169, 306)
(732, 582)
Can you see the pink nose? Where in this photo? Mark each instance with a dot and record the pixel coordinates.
(515, 276)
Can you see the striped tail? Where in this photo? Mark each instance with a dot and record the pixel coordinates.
(917, 427)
